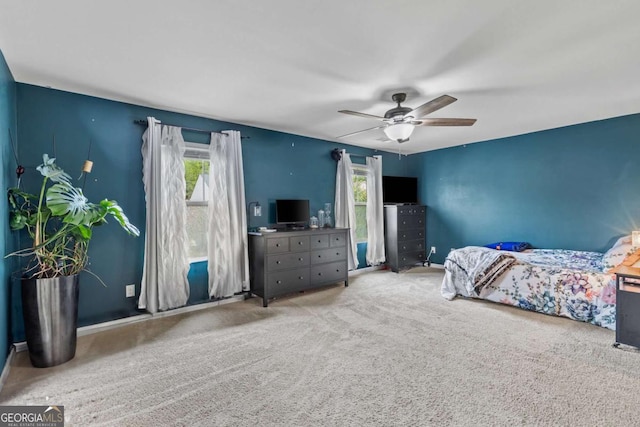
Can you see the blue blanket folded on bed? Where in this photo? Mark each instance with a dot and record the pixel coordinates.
(509, 246)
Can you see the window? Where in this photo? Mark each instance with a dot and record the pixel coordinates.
(360, 196)
(196, 174)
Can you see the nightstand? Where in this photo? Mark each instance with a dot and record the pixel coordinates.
(627, 306)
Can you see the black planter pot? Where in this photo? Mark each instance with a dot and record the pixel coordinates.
(50, 311)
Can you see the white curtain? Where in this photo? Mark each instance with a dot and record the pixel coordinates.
(345, 205)
(227, 246)
(166, 263)
(375, 212)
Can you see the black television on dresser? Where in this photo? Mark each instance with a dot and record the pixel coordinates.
(292, 213)
(398, 190)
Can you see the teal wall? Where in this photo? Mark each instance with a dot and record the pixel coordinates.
(571, 187)
(575, 187)
(276, 165)
(8, 122)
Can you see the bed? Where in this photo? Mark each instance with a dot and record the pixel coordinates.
(574, 284)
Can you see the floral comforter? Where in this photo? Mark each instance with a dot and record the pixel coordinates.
(557, 282)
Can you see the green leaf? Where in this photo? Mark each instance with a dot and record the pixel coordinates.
(13, 204)
(50, 170)
(83, 233)
(17, 197)
(116, 211)
(68, 202)
(17, 221)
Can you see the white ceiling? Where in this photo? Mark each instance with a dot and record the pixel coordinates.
(516, 65)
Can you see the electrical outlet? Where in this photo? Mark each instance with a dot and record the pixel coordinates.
(130, 291)
(433, 249)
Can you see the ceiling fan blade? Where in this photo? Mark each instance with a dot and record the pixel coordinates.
(365, 115)
(361, 131)
(431, 106)
(444, 122)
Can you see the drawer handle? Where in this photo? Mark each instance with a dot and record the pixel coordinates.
(337, 270)
(277, 245)
(278, 282)
(299, 243)
(300, 277)
(338, 253)
(277, 262)
(319, 256)
(319, 241)
(319, 274)
(300, 259)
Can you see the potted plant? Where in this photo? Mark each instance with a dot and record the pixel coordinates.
(59, 221)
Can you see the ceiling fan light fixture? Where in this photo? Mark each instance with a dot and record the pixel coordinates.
(399, 131)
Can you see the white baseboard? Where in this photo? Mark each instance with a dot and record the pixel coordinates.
(112, 324)
(197, 307)
(365, 270)
(383, 266)
(7, 367)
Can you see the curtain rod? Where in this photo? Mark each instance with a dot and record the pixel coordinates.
(145, 123)
(336, 154)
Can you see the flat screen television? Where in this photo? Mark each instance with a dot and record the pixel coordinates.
(399, 190)
(292, 212)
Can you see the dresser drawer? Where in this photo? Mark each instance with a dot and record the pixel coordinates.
(320, 241)
(287, 281)
(410, 258)
(406, 222)
(411, 246)
(277, 245)
(299, 243)
(338, 239)
(416, 233)
(327, 255)
(411, 210)
(285, 261)
(327, 273)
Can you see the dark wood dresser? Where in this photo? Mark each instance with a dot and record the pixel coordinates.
(404, 235)
(284, 262)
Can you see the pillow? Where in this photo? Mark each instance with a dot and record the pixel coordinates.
(509, 246)
(622, 240)
(614, 256)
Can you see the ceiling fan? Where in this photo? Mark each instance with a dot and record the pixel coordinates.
(400, 121)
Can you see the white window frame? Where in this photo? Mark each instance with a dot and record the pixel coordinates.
(361, 170)
(197, 151)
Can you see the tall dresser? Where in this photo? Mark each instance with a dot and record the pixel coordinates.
(404, 235)
(291, 261)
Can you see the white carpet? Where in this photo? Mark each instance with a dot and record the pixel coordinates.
(387, 350)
